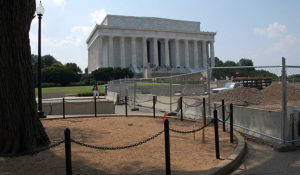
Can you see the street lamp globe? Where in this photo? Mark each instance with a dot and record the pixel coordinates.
(40, 9)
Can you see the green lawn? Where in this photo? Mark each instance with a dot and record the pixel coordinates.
(71, 90)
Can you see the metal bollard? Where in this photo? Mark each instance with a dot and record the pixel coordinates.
(167, 147)
(126, 113)
(95, 106)
(181, 115)
(64, 110)
(216, 135)
(204, 112)
(154, 102)
(223, 115)
(231, 123)
(68, 152)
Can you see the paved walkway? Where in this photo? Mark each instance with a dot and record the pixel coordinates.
(262, 159)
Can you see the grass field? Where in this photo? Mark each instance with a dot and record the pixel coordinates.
(70, 90)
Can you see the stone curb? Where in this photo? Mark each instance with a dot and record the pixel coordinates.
(233, 161)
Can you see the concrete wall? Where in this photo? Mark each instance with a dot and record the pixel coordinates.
(264, 124)
(79, 107)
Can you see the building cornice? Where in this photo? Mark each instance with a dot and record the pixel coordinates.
(145, 30)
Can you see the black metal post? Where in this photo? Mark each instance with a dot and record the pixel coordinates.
(154, 102)
(231, 123)
(293, 129)
(167, 147)
(181, 115)
(216, 134)
(40, 110)
(204, 112)
(68, 152)
(95, 105)
(126, 106)
(64, 110)
(223, 115)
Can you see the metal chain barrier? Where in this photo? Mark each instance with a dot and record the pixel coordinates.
(192, 105)
(192, 131)
(117, 147)
(34, 151)
(218, 106)
(225, 119)
(166, 103)
(144, 101)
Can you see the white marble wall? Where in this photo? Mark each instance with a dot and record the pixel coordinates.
(111, 46)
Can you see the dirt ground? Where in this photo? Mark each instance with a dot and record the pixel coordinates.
(269, 98)
(188, 156)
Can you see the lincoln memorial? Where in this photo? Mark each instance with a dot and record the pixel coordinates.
(144, 42)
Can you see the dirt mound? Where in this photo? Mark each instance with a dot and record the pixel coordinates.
(273, 93)
(240, 96)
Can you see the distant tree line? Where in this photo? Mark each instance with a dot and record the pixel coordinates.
(54, 73)
(239, 72)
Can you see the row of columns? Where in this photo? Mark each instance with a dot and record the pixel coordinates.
(109, 61)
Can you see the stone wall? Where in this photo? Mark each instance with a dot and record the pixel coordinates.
(151, 23)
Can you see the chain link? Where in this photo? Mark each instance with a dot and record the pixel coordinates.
(192, 131)
(166, 102)
(225, 119)
(34, 151)
(144, 101)
(117, 147)
(192, 105)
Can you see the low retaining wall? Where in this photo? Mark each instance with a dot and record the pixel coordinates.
(266, 125)
(79, 107)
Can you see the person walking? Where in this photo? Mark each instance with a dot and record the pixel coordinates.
(96, 92)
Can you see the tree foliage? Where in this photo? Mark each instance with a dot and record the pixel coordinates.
(107, 74)
(240, 72)
(58, 73)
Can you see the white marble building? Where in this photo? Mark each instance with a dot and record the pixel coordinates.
(138, 42)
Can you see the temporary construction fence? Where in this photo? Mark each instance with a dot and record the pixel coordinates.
(193, 87)
(68, 140)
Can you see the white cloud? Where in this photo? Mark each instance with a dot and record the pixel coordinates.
(59, 2)
(77, 36)
(72, 47)
(272, 31)
(98, 16)
(282, 46)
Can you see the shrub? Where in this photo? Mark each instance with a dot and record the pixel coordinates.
(44, 85)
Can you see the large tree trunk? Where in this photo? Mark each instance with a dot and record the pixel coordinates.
(20, 127)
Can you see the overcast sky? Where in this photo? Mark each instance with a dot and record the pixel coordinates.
(261, 30)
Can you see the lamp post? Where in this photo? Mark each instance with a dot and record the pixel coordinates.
(40, 11)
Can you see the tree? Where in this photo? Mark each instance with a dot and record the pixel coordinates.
(20, 127)
(48, 60)
(73, 67)
(245, 62)
(59, 74)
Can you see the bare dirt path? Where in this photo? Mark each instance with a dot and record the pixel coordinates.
(188, 156)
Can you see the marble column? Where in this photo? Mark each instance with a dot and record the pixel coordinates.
(100, 56)
(212, 54)
(177, 53)
(133, 51)
(204, 53)
(186, 53)
(167, 57)
(155, 51)
(122, 52)
(110, 52)
(145, 60)
(196, 57)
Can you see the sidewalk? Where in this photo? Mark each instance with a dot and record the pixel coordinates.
(262, 159)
